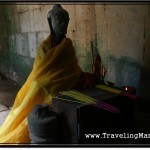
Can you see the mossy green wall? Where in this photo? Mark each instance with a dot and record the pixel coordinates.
(4, 50)
(13, 64)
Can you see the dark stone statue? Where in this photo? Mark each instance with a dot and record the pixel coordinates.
(58, 19)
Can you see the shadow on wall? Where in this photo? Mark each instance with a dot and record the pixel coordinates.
(144, 88)
(123, 72)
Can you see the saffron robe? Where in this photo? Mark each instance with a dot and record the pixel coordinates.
(55, 69)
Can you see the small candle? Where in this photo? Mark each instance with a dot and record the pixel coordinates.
(126, 88)
(129, 89)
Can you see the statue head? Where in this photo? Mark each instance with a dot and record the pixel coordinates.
(58, 19)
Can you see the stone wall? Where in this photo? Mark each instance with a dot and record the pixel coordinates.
(123, 35)
(119, 33)
(4, 52)
(29, 27)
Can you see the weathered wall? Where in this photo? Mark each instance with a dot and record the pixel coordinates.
(123, 35)
(119, 33)
(144, 89)
(4, 53)
(29, 27)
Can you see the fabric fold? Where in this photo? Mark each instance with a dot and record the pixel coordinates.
(55, 69)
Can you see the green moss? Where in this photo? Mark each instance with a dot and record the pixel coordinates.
(11, 60)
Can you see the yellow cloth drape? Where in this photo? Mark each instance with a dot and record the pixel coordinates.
(55, 69)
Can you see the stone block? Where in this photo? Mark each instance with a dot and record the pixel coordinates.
(40, 20)
(85, 63)
(111, 72)
(47, 7)
(22, 8)
(126, 39)
(79, 17)
(12, 44)
(22, 44)
(102, 41)
(36, 19)
(134, 12)
(115, 35)
(71, 11)
(79, 39)
(80, 51)
(133, 40)
(44, 22)
(25, 21)
(39, 38)
(21, 68)
(32, 45)
(113, 12)
(123, 72)
(71, 34)
(32, 22)
(99, 12)
(36, 6)
(82, 62)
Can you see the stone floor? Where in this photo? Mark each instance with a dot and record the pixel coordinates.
(3, 114)
(8, 91)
